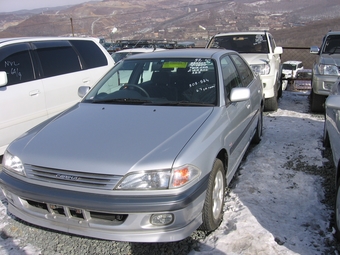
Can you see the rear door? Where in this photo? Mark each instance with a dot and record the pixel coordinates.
(22, 100)
(67, 65)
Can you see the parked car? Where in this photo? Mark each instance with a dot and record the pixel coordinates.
(325, 69)
(143, 161)
(289, 70)
(40, 76)
(262, 54)
(303, 79)
(121, 54)
(332, 140)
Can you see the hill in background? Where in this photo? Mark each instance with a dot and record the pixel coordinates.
(293, 23)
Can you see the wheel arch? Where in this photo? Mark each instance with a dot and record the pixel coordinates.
(223, 156)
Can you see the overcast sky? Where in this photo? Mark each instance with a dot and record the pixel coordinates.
(10, 6)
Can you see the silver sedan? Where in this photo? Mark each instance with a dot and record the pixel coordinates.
(146, 155)
(332, 139)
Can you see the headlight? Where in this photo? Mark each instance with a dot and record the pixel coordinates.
(328, 69)
(146, 180)
(162, 179)
(13, 163)
(262, 69)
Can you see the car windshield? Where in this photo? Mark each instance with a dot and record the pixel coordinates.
(332, 45)
(187, 82)
(256, 43)
(288, 67)
(307, 75)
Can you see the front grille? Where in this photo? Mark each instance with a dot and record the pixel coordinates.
(75, 213)
(79, 179)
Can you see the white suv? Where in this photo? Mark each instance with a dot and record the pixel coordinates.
(289, 71)
(39, 78)
(262, 54)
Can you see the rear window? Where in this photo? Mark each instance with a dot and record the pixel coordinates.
(91, 54)
(57, 58)
(256, 43)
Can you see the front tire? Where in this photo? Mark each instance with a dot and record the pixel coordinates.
(316, 102)
(271, 104)
(212, 213)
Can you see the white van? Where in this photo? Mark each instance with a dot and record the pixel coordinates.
(40, 77)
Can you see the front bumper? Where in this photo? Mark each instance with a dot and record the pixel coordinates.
(322, 84)
(269, 87)
(105, 216)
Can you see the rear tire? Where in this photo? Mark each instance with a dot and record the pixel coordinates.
(212, 213)
(337, 212)
(258, 133)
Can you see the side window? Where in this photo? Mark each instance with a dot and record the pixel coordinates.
(16, 61)
(230, 75)
(91, 55)
(57, 58)
(246, 74)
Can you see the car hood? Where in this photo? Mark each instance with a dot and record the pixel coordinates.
(253, 59)
(111, 138)
(333, 59)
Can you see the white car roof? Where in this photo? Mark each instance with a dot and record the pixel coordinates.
(292, 62)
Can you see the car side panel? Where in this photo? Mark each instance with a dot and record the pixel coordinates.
(25, 108)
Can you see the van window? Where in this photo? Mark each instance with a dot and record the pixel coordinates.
(57, 58)
(90, 53)
(16, 61)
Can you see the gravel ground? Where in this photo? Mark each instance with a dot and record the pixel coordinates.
(20, 238)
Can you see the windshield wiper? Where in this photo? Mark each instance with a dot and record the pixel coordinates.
(121, 101)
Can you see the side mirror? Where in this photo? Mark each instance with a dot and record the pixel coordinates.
(333, 101)
(82, 91)
(314, 50)
(3, 78)
(278, 50)
(239, 94)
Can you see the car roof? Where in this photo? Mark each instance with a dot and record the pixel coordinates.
(333, 33)
(292, 62)
(6, 41)
(183, 53)
(242, 33)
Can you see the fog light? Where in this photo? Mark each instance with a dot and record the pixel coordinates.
(162, 219)
(328, 85)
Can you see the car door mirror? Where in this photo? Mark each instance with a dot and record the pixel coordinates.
(333, 101)
(3, 78)
(278, 50)
(239, 94)
(82, 91)
(314, 49)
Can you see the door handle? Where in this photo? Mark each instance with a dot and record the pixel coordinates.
(34, 92)
(86, 80)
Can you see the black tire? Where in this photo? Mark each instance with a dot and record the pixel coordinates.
(325, 140)
(212, 213)
(317, 102)
(258, 133)
(337, 212)
(271, 104)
